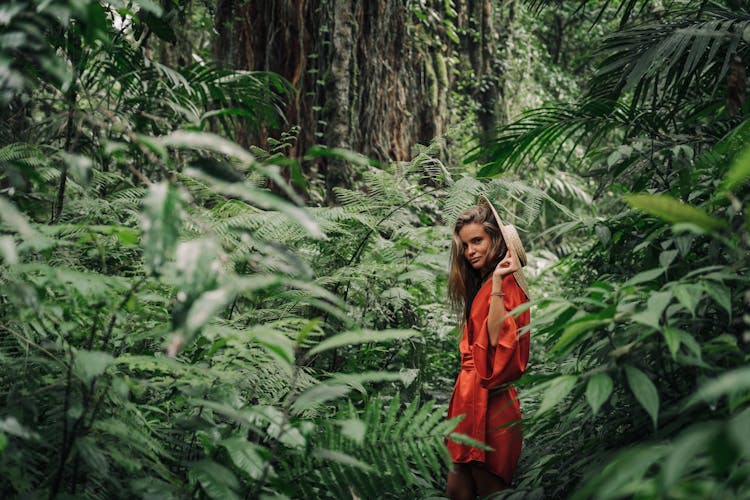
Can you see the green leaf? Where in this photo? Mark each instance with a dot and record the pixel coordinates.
(127, 236)
(720, 293)
(672, 337)
(217, 481)
(626, 468)
(211, 142)
(341, 458)
(15, 220)
(672, 210)
(94, 456)
(318, 395)
(161, 224)
(158, 25)
(80, 167)
(149, 6)
(8, 250)
(689, 296)
(96, 23)
(573, 334)
(198, 267)
(598, 391)
(90, 364)
(353, 428)
(341, 154)
(361, 337)
(667, 257)
(340, 385)
(738, 427)
(207, 305)
(644, 276)
(727, 383)
(11, 426)
(684, 451)
(655, 306)
(246, 456)
(278, 345)
(739, 171)
(644, 390)
(263, 199)
(468, 441)
(556, 390)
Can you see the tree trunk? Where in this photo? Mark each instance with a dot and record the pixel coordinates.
(488, 27)
(364, 81)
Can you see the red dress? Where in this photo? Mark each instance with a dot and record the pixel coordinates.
(488, 407)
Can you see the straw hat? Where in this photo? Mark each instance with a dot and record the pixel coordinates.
(513, 241)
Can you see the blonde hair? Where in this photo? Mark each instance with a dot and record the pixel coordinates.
(464, 281)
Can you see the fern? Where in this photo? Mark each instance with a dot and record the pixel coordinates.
(401, 449)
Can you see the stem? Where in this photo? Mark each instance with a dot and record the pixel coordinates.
(74, 51)
(124, 301)
(255, 493)
(66, 405)
(68, 143)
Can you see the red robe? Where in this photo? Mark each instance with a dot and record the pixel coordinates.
(488, 407)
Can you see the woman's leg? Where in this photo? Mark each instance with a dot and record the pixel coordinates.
(461, 483)
(485, 481)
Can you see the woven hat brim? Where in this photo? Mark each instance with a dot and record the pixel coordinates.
(512, 241)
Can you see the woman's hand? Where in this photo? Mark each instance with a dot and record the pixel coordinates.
(508, 265)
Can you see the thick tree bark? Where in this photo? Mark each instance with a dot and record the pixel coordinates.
(488, 24)
(364, 82)
(369, 76)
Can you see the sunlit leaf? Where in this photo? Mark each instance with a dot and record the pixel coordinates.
(739, 171)
(655, 306)
(160, 224)
(555, 392)
(80, 167)
(11, 426)
(8, 250)
(91, 364)
(727, 383)
(18, 222)
(341, 458)
(672, 210)
(361, 337)
(207, 305)
(644, 276)
(574, 334)
(353, 428)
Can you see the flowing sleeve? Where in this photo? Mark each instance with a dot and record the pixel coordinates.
(505, 362)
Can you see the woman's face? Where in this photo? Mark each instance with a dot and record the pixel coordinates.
(476, 245)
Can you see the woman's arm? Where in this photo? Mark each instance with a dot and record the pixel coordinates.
(497, 310)
(506, 360)
(508, 265)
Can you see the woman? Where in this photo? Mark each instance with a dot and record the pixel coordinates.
(486, 282)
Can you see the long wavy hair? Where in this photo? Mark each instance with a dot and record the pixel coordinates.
(464, 281)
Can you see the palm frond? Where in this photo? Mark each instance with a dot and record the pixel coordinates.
(547, 131)
(667, 61)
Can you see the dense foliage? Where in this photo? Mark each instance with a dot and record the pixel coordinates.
(178, 317)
